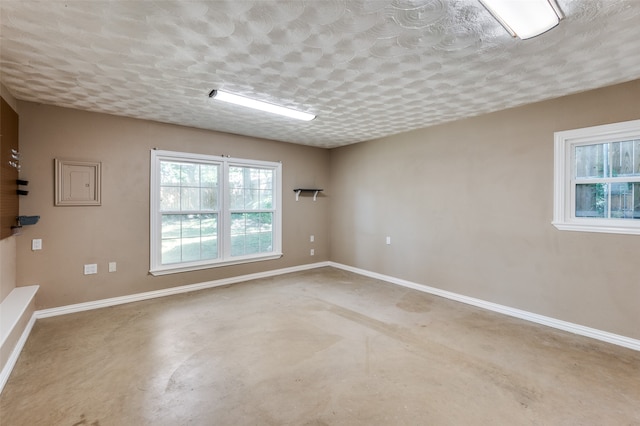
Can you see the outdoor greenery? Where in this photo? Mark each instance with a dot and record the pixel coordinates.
(189, 204)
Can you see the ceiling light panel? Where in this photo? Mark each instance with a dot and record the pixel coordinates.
(525, 18)
(259, 105)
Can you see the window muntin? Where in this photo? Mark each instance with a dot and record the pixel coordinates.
(210, 211)
(597, 179)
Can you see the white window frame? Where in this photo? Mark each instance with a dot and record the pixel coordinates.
(564, 217)
(224, 216)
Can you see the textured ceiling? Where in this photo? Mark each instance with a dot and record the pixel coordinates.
(367, 68)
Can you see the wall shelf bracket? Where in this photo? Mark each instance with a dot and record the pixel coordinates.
(300, 190)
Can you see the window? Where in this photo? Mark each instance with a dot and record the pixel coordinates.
(209, 211)
(597, 179)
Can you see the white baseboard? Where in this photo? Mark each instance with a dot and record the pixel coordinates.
(581, 330)
(593, 333)
(15, 353)
(103, 303)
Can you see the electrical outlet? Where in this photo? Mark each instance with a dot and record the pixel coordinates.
(36, 244)
(90, 269)
(312, 252)
(112, 267)
(388, 240)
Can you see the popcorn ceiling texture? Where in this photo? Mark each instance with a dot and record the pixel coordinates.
(367, 68)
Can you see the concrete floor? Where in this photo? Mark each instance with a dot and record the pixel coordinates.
(321, 347)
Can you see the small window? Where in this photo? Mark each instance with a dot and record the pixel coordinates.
(597, 179)
(209, 211)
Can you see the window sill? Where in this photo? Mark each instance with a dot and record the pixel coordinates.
(608, 228)
(166, 270)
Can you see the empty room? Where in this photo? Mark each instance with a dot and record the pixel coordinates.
(320, 212)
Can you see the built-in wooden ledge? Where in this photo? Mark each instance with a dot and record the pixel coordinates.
(16, 317)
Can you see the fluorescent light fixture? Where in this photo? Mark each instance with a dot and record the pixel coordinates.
(525, 18)
(259, 105)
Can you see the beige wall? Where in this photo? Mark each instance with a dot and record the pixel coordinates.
(119, 229)
(468, 206)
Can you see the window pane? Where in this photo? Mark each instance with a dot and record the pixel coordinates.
(266, 241)
(251, 199)
(636, 156)
(190, 175)
(614, 158)
(636, 200)
(622, 154)
(209, 234)
(266, 179)
(254, 177)
(169, 173)
(237, 234)
(190, 226)
(266, 199)
(608, 200)
(236, 199)
(251, 233)
(590, 160)
(209, 248)
(190, 249)
(171, 226)
(187, 238)
(209, 225)
(208, 175)
(171, 251)
(235, 177)
(209, 198)
(266, 231)
(188, 187)
(251, 188)
(190, 199)
(237, 223)
(169, 198)
(591, 200)
(621, 200)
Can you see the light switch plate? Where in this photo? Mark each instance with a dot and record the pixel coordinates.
(36, 244)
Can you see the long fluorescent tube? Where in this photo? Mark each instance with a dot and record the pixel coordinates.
(259, 105)
(525, 18)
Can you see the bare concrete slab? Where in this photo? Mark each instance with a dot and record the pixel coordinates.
(320, 347)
